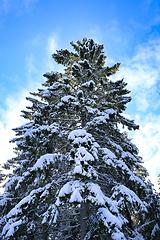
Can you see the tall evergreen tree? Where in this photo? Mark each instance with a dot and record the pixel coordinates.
(76, 176)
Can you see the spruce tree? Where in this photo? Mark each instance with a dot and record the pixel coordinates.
(76, 175)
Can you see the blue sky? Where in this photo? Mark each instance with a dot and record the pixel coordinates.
(31, 30)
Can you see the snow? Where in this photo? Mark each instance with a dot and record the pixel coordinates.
(79, 141)
(46, 93)
(90, 173)
(88, 84)
(125, 170)
(108, 153)
(17, 212)
(76, 197)
(55, 86)
(44, 160)
(122, 193)
(85, 61)
(94, 150)
(11, 228)
(155, 229)
(78, 169)
(90, 102)
(50, 215)
(29, 199)
(83, 155)
(72, 188)
(129, 155)
(77, 133)
(52, 128)
(115, 146)
(108, 218)
(110, 111)
(11, 182)
(102, 119)
(65, 99)
(66, 189)
(75, 188)
(108, 157)
(95, 96)
(80, 92)
(119, 236)
(112, 222)
(96, 195)
(46, 192)
(92, 110)
(81, 137)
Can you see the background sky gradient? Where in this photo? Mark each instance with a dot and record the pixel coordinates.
(31, 30)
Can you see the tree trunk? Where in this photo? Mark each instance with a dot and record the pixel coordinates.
(45, 233)
(83, 218)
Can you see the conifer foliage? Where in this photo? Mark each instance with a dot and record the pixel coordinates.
(76, 175)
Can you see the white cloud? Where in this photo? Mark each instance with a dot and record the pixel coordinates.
(10, 119)
(142, 101)
(143, 68)
(142, 73)
(147, 139)
(15, 103)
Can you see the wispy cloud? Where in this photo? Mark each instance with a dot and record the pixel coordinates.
(29, 4)
(16, 6)
(151, 8)
(5, 6)
(95, 34)
(145, 5)
(35, 41)
(51, 47)
(30, 60)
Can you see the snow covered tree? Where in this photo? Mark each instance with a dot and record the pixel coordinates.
(2, 176)
(76, 175)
